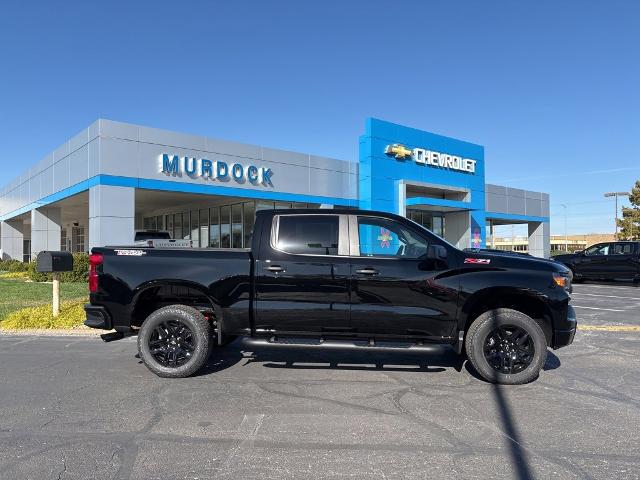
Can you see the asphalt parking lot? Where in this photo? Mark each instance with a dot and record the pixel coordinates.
(80, 408)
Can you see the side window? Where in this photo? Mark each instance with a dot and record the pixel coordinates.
(623, 249)
(308, 234)
(379, 237)
(596, 250)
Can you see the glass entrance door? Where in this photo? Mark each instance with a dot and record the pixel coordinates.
(433, 221)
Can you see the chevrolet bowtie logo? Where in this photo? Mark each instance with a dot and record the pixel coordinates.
(398, 151)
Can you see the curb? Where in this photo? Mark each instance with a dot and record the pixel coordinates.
(53, 332)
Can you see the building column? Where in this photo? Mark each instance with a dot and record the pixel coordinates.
(111, 215)
(539, 239)
(11, 240)
(457, 228)
(46, 224)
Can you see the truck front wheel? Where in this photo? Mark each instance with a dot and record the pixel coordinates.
(506, 346)
(175, 341)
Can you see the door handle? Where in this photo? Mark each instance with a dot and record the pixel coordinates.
(367, 271)
(275, 268)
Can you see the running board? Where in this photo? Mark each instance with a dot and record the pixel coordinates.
(373, 345)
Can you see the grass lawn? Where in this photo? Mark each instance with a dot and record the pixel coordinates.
(17, 294)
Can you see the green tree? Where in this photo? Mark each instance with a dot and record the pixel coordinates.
(629, 224)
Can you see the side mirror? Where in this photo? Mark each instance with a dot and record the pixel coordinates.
(437, 252)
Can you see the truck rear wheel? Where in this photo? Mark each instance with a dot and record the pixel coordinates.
(506, 346)
(175, 341)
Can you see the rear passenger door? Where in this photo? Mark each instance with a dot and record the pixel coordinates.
(302, 276)
(621, 262)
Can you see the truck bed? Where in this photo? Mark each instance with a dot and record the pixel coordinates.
(128, 272)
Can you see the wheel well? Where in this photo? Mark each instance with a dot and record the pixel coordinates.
(158, 296)
(519, 301)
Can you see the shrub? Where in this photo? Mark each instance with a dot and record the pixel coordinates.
(79, 273)
(71, 315)
(13, 266)
(14, 275)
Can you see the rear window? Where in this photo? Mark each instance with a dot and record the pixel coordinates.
(152, 236)
(308, 234)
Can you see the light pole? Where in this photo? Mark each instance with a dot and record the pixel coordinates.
(566, 238)
(617, 194)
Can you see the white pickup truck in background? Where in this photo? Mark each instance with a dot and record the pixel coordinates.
(159, 239)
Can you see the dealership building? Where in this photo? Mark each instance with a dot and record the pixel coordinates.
(114, 178)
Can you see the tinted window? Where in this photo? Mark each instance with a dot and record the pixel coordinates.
(308, 234)
(623, 249)
(380, 237)
(600, 249)
(151, 236)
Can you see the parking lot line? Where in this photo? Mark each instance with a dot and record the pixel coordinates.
(605, 296)
(610, 328)
(598, 308)
(587, 285)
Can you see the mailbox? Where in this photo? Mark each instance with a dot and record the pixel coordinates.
(54, 262)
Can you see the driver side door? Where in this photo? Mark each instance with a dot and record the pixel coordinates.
(395, 288)
(594, 262)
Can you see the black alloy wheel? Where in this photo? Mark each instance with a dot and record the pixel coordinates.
(509, 349)
(175, 341)
(506, 346)
(172, 343)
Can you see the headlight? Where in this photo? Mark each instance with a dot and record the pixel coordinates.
(563, 280)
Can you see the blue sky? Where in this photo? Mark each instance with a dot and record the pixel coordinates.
(551, 89)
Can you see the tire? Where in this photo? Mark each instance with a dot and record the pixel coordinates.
(181, 336)
(493, 341)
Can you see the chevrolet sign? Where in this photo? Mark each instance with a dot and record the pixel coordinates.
(432, 158)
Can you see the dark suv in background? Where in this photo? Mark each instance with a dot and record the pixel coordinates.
(605, 261)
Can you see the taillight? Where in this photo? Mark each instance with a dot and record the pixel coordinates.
(95, 259)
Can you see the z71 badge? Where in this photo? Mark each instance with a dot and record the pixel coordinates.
(483, 261)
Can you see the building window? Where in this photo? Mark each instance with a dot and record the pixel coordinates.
(177, 225)
(168, 219)
(185, 226)
(204, 227)
(431, 221)
(214, 227)
(225, 226)
(236, 225)
(63, 239)
(248, 218)
(77, 239)
(195, 227)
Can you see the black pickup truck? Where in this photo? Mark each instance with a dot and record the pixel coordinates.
(334, 277)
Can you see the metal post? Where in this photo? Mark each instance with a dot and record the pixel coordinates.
(616, 218)
(616, 195)
(56, 294)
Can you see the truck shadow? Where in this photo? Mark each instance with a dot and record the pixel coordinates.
(302, 358)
